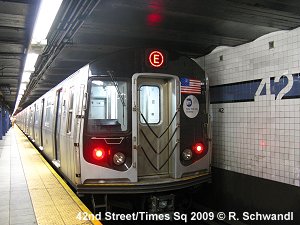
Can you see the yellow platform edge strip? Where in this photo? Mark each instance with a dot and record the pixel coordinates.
(67, 188)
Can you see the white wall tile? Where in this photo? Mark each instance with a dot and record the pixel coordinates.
(259, 138)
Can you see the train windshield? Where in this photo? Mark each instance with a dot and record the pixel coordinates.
(107, 107)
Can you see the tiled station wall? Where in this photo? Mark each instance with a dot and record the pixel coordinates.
(255, 106)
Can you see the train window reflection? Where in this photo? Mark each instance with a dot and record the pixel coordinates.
(107, 106)
(150, 104)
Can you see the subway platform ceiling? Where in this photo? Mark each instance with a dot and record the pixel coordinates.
(16, 25)
(84, 30)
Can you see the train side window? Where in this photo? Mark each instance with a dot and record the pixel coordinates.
(70, 112)
(150, 104)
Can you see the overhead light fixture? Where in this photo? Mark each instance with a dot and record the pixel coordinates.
(47, 12)
(23, 86)
(21, 91)
(30, 62)
(26, 77)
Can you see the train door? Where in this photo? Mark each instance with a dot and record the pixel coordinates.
(156, 130)
(27, 114)
(78, 130)
(42, 122)
(58, 116)
(33, 122)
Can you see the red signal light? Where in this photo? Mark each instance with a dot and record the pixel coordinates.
(156, 58)
(154, 19)
(198, 148)
(98, 153)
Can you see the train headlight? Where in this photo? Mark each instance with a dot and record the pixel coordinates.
(119, 158)
(187, 154)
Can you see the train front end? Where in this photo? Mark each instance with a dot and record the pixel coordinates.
(146, 124)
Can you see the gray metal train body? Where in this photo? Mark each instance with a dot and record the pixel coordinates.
(131, 122)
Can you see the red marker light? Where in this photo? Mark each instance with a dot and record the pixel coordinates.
(154, 19)
(198, 148)
(156, 58)
(98, 153)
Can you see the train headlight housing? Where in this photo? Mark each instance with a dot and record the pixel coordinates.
(119, 158)
(187, 154)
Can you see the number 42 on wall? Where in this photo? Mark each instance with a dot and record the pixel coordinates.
(266, 82)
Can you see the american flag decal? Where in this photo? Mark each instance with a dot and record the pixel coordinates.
(190, 86)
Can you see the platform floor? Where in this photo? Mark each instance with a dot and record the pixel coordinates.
(31, 191)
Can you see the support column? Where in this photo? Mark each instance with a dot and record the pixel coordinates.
(5, 121)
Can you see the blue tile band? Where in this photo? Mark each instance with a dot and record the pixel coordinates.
(245, 91)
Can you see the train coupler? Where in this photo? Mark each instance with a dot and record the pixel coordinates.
(162, 203)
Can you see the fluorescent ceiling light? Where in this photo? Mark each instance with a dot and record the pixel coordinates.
(21, 92)
(26, 77)
(30, 62)
(46, 15)
(47, 12)
(23, 86)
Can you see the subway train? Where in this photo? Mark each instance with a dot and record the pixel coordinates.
(130, 122)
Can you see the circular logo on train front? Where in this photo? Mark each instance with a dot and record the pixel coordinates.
(191, 106)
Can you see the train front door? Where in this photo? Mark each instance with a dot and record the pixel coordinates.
(156, 103)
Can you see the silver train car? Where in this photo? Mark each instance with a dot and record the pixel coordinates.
(132, 122)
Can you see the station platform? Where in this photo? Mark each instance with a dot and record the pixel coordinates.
(31, 191)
